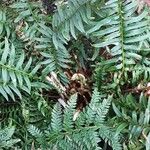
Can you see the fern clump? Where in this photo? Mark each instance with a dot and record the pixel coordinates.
(86, 132)
(49, 51)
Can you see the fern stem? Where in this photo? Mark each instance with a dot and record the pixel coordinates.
(20, 72)
(15, 70)
(121, 19)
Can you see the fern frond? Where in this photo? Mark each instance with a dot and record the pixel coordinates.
(35, 109)
(68, 113)
(81, 135)
(35, 131)
(37, 30)
(134, 114)
(70, 16)
(40, 137)
(14, 73)
(26, 10)
(4, 25)
(121, 31)
(5, 137)
(54, 60)
(97, 110)
(57, 118)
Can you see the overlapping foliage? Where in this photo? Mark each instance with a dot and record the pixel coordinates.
(45, 44)
(84, 133)
(5, 137)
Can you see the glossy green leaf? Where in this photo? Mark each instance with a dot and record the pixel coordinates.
(2, 91)
(6, 51)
